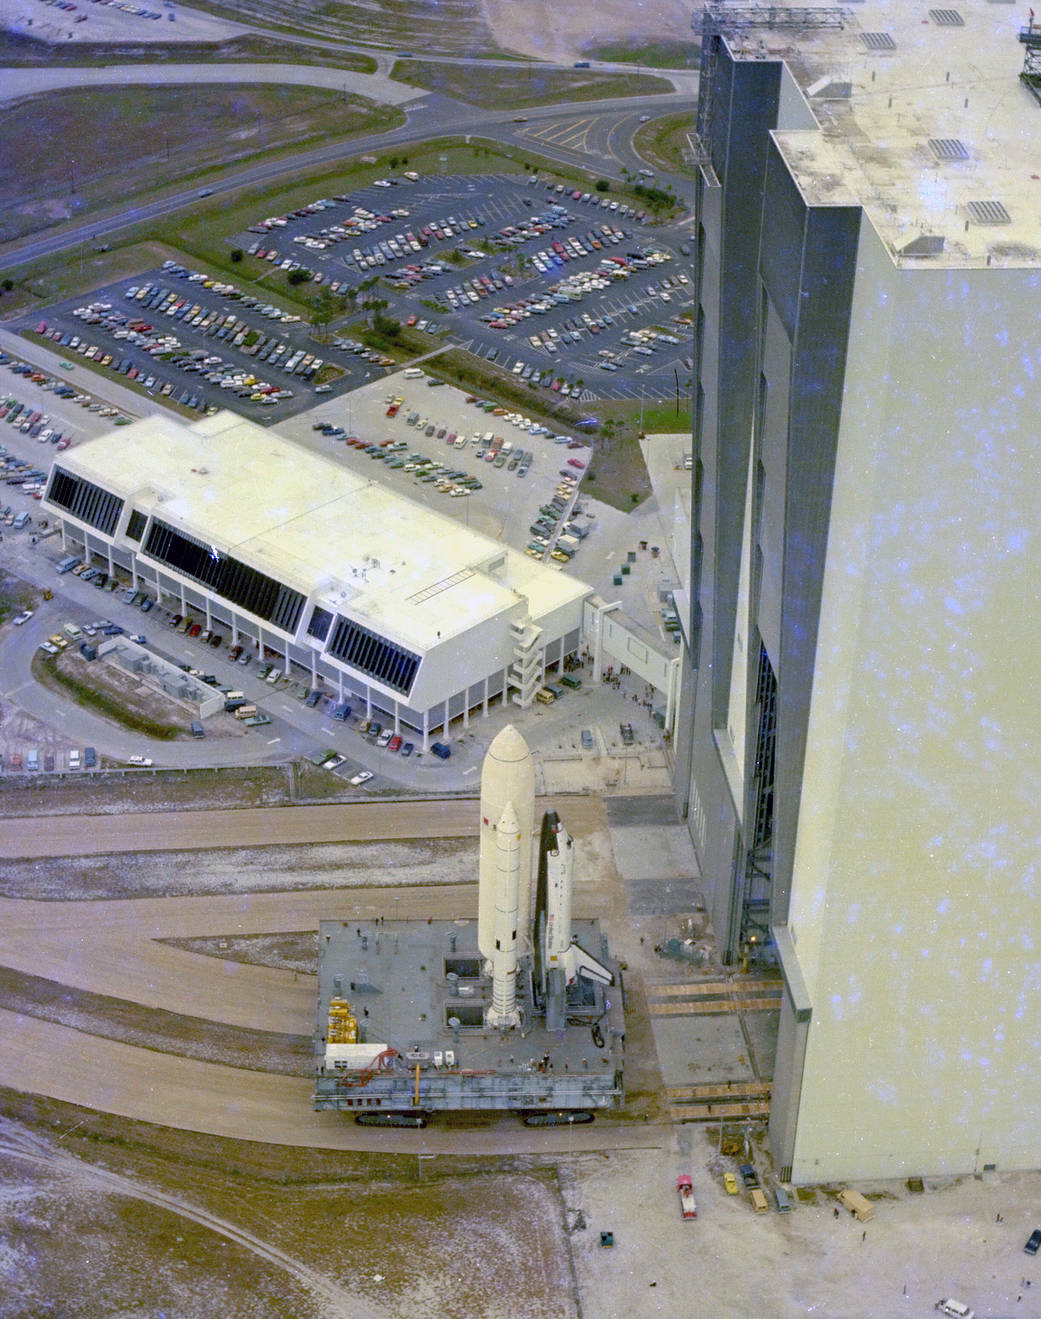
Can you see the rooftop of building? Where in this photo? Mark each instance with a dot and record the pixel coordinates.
(923, 119)
(319, 527)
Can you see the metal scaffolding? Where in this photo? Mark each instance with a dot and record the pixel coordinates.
(1030, 38)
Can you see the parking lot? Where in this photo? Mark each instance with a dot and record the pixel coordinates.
(202, 343)
(553, 285)
(430, 441)
(493, 259)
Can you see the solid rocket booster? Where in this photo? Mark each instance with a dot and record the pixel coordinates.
(503, 1011)
(508, 775)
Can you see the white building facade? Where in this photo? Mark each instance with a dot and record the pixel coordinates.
(392, 607)
(859, 762)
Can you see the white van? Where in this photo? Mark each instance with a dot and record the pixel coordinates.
(413, 373)
(956, 1309)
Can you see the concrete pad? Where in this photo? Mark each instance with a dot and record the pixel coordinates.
(697, 1050)
(661, 897)
(644, 853)
(641, 810)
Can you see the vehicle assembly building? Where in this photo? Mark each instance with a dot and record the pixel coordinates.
(521, 1010)
(856, 759)
(393, 605)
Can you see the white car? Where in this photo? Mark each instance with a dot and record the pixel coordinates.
(361, 777)
(23, 617)
(139, 760)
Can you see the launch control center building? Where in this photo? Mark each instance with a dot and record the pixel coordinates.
(389, 603)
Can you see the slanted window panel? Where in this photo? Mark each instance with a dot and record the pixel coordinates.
(85, 501)
(373, 655)
(136, 525)
(234, 581)
(321, 621)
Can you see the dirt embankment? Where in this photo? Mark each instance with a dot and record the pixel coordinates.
(567, 32)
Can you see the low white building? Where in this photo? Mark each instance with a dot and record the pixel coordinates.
(385, 601)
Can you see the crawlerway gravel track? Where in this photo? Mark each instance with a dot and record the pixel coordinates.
(114, 948)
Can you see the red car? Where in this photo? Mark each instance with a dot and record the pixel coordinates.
(685, 1187)
(394, 744)
(575, 462)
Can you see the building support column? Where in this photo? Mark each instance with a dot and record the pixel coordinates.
(599, 653)
(672, 697)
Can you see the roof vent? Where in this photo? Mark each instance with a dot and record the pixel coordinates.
(948, 148)
(988, 213)
(924, 245)
(830, 89)
(878, 40)
(946, 17)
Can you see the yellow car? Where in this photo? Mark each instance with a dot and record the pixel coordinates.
(730, 1182)
(59, 641)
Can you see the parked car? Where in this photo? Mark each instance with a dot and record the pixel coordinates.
(361, 777)
(749, 1176)
(685, 1187)
(394, 744)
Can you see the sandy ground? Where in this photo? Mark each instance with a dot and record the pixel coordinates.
(565, 32)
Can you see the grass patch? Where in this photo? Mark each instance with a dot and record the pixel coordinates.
(56, 672)
(14, 597)
(655, 54)
(663, 142)
(518, 88)
(99, 147)
(667, 418)
(19, 51)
